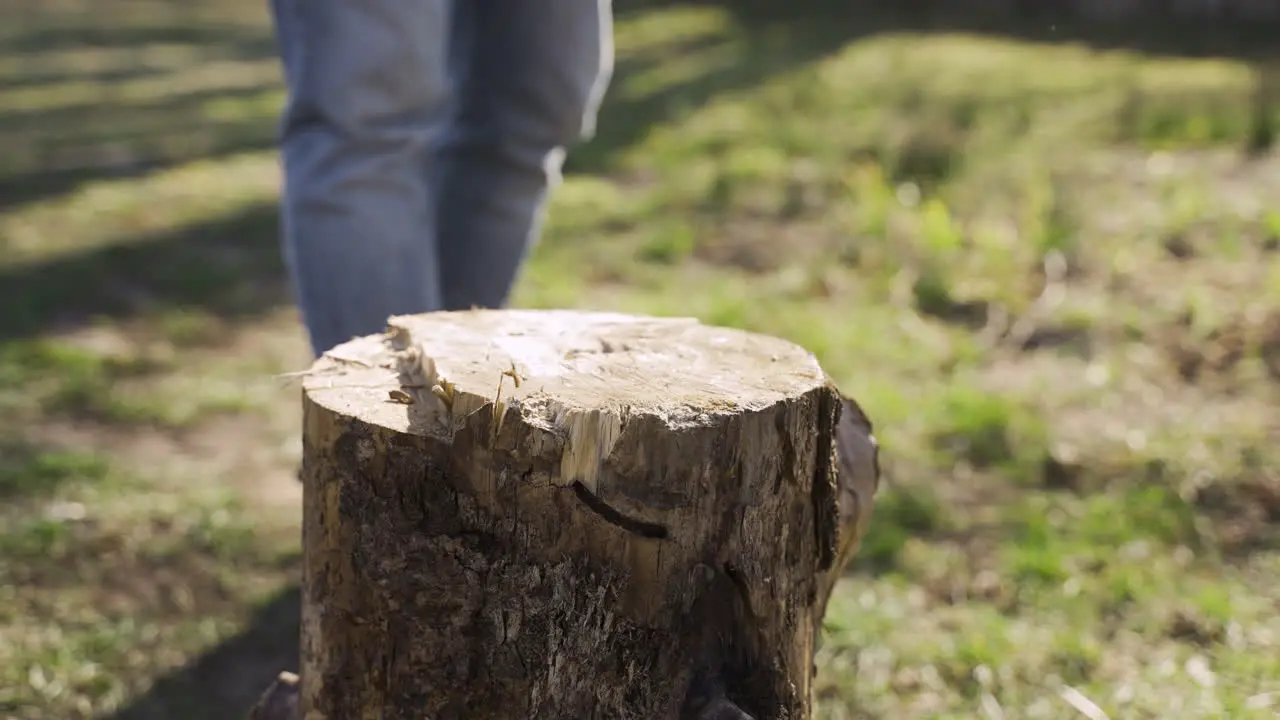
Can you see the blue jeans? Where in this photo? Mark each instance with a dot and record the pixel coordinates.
(419, 142)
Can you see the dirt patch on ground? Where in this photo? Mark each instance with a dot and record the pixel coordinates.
(227, 450)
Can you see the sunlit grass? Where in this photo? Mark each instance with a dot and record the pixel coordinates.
(1046, 271)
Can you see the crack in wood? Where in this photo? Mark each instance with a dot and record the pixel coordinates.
(740, 585)
(610, 515)
(823, 492)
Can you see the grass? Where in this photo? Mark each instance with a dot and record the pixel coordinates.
(1049, 268)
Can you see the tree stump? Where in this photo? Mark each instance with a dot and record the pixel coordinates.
(517, 514)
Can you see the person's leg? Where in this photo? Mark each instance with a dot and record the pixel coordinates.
(368, 94)
(530, 76)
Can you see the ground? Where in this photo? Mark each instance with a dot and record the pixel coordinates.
(1046, 262)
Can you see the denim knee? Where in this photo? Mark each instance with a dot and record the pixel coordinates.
(539, 74)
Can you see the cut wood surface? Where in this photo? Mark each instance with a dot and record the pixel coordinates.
(520, 514)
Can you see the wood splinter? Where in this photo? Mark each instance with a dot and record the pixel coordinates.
(280, 701)
(647, 522)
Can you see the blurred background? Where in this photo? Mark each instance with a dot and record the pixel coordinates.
(1039, 241)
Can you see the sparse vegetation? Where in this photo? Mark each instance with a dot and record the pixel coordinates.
(1049, 272)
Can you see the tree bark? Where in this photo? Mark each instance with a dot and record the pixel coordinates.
(515, 514)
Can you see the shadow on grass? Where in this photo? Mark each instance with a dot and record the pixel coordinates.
(223, 683)
(65, 146)
(179, 30)
(230, 268)
(174, 136)
(71, 75)
(30, 469)
(749, 52)
(776, 37)
(1043, 21)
